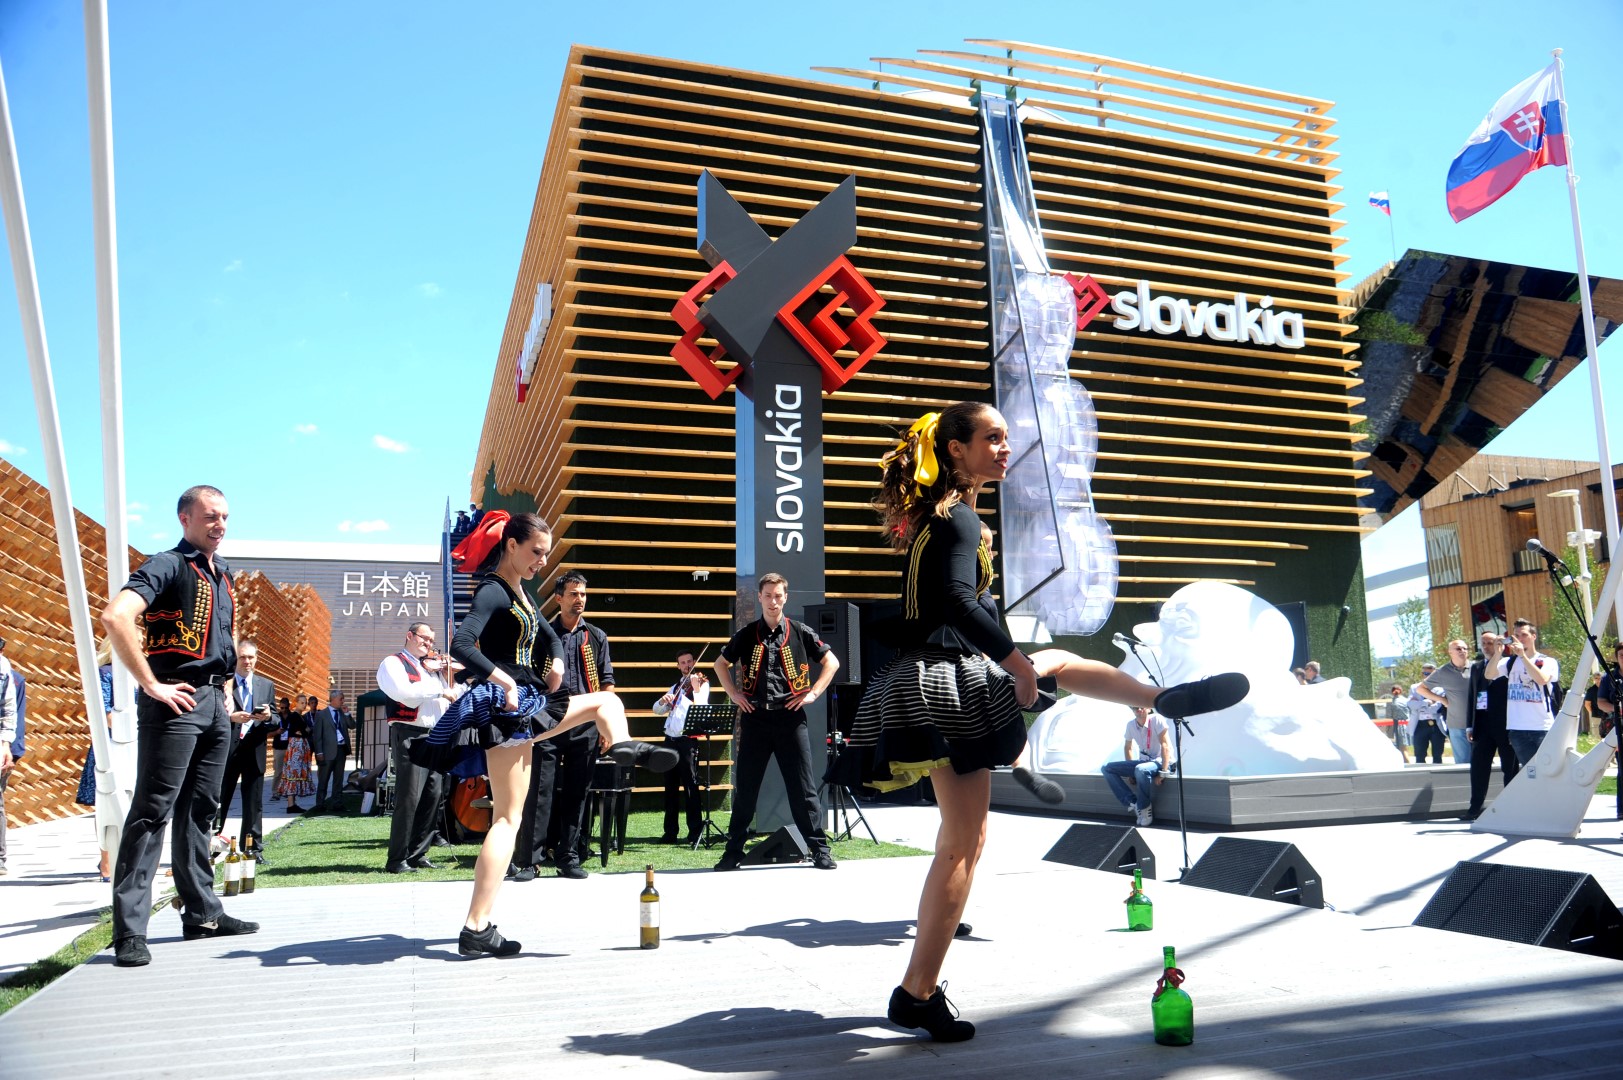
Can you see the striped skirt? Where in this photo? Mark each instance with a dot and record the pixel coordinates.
(478, 721)
(931, 707)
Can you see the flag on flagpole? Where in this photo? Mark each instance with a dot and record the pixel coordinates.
(1522, 132)
(1381, 201)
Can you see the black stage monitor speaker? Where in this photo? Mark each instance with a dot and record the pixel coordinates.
(839, 624)
(1559, 909)
(784, 846)
(1116, 849)
(1266, 869)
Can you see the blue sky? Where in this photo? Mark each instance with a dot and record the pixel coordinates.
(322, 206)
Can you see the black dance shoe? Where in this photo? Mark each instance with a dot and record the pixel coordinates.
(934, 1014)
(1042, 787)
(486, 941)
(657, 759)
(1203, 695)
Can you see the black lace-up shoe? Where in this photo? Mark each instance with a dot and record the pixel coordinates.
(224, 926)
(935, 1014)
(657, 759)
(131, 952)
(1203, 695)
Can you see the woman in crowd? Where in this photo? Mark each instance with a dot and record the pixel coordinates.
(514, 659)
(86, 795)
(942, 707)
(296, 780)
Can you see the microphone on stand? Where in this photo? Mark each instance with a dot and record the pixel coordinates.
(1125, 640)
(1550, 557)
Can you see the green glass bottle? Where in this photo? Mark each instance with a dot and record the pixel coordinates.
(1171, 1008)
(1140, 912)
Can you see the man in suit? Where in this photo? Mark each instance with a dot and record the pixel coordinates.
(253, 721)
(331, 729)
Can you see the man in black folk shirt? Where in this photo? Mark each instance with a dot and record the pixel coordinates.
(774, 655)
(183, 597)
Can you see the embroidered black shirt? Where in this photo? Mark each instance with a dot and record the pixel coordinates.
(502, 629)
(190, 614)
(758, 644)
(587, 666)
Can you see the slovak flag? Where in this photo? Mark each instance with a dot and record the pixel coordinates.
(1521, 133)
(1381, 201)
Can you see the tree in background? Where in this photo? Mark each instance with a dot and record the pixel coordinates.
(1413, 628)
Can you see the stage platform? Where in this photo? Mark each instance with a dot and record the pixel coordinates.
(1270, 802)
(785, 971)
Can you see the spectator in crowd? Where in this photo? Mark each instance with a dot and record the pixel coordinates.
(1398, 712)
(1609, 700)
(296, 781)
(1146, 755)
(1446, 688)
(332, 733)
(1425, 720)
(86, 795)
(1487, 693)
(1301, 675)
(1311, 670)
(279, 744)
(11, 738)
(1528, 714)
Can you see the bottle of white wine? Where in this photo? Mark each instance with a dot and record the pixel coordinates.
(249, 865)
(648, 922)
(233, 871)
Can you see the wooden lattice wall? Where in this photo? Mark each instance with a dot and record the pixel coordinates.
(293, 630)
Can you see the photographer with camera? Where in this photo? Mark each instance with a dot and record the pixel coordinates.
(252, 723)
(1529, 710)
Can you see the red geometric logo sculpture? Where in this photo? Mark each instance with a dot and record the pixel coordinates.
(1091, 298)
(695, 361)
(823, 336)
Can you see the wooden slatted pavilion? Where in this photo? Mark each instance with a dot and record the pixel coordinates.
(1216, 460)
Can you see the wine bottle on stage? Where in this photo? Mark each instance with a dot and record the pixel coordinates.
(248, 866)
(648, 915)
(233, 871)
(1170, 1007)
(1140, 912)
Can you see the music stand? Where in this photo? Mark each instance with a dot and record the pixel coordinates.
(703, 721)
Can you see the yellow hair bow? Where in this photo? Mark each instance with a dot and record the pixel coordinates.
(925, 467)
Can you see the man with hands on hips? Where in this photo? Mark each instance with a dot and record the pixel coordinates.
(774, 655)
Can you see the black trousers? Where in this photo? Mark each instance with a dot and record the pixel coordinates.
(244, 767)
(179, 762)
(1484, 744)
(576, 757)
(530, 847)
(766, 734)
(416, 799)
(1429, 733)
(683, 778)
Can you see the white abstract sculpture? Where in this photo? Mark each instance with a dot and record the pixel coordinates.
(1281, 726)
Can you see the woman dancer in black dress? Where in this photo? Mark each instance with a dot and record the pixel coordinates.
(505, 644)
(943, 708)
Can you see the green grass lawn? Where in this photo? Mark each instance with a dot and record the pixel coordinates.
(343, 849)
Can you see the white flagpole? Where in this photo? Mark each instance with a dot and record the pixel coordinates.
(1608, 496)
(115, 773)
(21, 246)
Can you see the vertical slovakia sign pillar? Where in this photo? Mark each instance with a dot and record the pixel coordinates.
(775, 308)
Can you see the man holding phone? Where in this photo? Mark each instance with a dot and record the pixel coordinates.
(252, 722)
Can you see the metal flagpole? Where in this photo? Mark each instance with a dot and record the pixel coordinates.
(50, 430)
(1608, 496)
(115, 772)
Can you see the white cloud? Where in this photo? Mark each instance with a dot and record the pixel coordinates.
(11, 448)
(375, 525)
(383, 442)
(429, 289)
(135, 506)
(233, 266)
(304, 429)
(133, 519)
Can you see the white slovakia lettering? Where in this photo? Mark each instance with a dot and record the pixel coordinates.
(788, 460)
(1137, 309)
